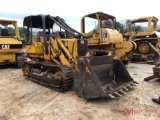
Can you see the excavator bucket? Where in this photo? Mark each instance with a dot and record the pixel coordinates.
(101, 77)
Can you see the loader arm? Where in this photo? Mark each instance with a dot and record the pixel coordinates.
(66, 27)
(59, 50)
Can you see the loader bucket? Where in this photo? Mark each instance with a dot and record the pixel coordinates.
(101, 77)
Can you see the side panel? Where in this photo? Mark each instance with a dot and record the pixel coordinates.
(7, 58)
(8, 51)
(37, 48)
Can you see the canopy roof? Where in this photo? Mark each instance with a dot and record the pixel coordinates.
(144, 19)
(102, 16)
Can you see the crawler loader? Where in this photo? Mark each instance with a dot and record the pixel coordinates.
(10, 44)
(147, 39)
(61, 59)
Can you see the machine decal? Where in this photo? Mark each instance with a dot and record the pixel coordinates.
(104, 36)
(5, 46)
(13, 46)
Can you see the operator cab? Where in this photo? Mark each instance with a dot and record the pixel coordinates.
(7, 28)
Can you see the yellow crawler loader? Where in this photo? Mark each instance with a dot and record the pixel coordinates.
(61, 59)
(10, 44)
(147, 39)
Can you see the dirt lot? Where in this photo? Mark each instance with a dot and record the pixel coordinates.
(21, 99)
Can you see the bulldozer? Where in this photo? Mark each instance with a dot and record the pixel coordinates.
(147, 39)
(61, 58)
(10, 44)
(104, 36)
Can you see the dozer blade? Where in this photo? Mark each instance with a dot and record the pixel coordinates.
(101, 77)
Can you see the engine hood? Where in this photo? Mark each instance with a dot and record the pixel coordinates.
(113, 36)
(11, 40)
(148, 33)
(153, 34)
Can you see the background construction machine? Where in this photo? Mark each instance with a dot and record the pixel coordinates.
(10, 44)
(101, 33)
(156, 72)
(59, 58)
(147, 39)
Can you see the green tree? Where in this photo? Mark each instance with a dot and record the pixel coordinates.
(11, 30)
(40, 33)
(22, 31)
(127, 26)
(138, 28)
(107, 24)
(158, 28)
(119, 26)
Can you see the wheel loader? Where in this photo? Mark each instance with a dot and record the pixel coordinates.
(10, 44)
(60, 58)
(104, 36)
(147, 39)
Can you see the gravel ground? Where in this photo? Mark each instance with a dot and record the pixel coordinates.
(22, 99)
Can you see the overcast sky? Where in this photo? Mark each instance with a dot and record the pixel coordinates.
(73, 10)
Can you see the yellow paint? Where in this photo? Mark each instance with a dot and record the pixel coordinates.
(112, 42)
(7, 58)
(37, 48)
(8, 54)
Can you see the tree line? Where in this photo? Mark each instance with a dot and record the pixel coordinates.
(123, 25)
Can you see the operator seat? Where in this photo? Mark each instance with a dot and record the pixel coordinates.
(4, 32)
